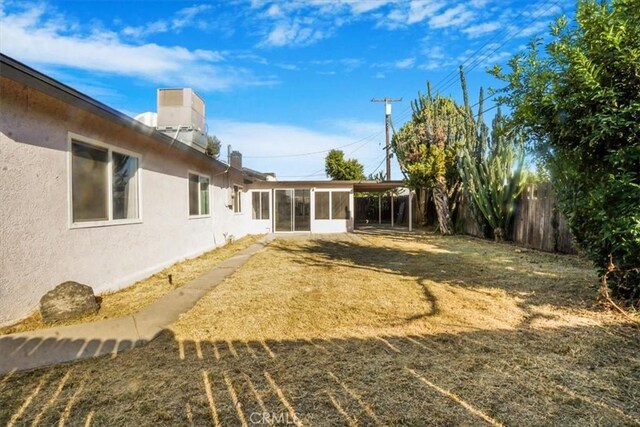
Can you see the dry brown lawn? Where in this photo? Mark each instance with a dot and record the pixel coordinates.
(365, 329)
(144, 292)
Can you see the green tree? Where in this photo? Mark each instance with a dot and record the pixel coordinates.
(340, 169)
(426, 148)
(578, 101)
(213, 146)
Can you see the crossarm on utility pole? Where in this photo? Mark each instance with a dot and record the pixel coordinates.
(387, 123)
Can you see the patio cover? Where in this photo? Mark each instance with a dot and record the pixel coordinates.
(376, 186)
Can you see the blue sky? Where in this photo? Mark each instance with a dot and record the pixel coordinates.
(280, 79)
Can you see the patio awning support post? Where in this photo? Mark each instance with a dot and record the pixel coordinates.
(391, 195)
(410, 208)
(379, 208)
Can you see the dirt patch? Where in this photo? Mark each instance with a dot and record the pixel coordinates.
(144, 292)
(365, 329)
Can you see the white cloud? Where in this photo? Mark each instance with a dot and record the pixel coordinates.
(274, 11)
(405, 63)
(262, 143)
(453, 17)
(305, 22)
(478, 3)
(400, 64)
(436, 59)
(480, 30)
(346, 65)
(420, 9)
(183, 18)
(33, 37)
(295, 32)
(532, 29)
(397, 18)
(288, 67)
(355, 7)
(552, 10)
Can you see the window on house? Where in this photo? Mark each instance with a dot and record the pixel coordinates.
(340, 205)
(104, 184)
(260, 205)
(332, 205)
(237, 199)
(322, 204)
(125, 186)
(198, 195)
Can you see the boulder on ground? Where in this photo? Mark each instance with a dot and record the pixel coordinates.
(69, 300)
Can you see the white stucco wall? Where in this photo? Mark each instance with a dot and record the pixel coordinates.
(38, 248)
(331, 225)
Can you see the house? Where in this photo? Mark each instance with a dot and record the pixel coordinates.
(91, 195)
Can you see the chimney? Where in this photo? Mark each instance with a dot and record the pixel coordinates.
(235, 159)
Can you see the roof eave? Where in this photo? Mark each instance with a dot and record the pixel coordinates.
(21, 73)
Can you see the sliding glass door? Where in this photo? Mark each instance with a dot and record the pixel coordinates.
(292, 210)
(284, 210)
(302, 208)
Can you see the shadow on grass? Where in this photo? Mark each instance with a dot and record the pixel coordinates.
(568, 376)
(535, 278)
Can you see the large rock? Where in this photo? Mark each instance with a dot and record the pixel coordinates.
(69, 300)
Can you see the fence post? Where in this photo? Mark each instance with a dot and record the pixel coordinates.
(391, 195)
(410, 209)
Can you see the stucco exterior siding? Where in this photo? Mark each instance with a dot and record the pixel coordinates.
(40, 248)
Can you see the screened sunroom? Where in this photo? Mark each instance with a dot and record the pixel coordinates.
(307, 206)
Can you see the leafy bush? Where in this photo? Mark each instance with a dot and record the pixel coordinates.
(579, 104)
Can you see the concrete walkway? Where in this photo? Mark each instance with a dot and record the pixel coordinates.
(45, 347)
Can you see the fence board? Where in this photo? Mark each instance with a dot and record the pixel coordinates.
(536, 223)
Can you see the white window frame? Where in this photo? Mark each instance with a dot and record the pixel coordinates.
(331, 191)
(237, 201)
(260, 210)
(71, 137)
(200, 176)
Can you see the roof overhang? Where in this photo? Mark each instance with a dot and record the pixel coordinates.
(21, 73)
(357, 186)
(377, 186)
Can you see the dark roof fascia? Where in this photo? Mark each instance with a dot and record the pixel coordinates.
(354, 182)
(21, 73)
(373, 185)
(256, 174)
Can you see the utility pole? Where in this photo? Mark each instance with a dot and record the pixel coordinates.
(387, 124)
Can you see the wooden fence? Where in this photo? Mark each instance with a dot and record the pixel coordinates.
(537, 223)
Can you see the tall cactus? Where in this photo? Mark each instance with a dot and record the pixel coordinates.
(477, 144)
(495, 183)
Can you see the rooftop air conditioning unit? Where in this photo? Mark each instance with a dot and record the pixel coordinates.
(181, 114)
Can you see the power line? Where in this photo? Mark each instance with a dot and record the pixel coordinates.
(477, 51)
(378, 167)
(277, 156)
(448, 80)
(506, 39)
(317, 173)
